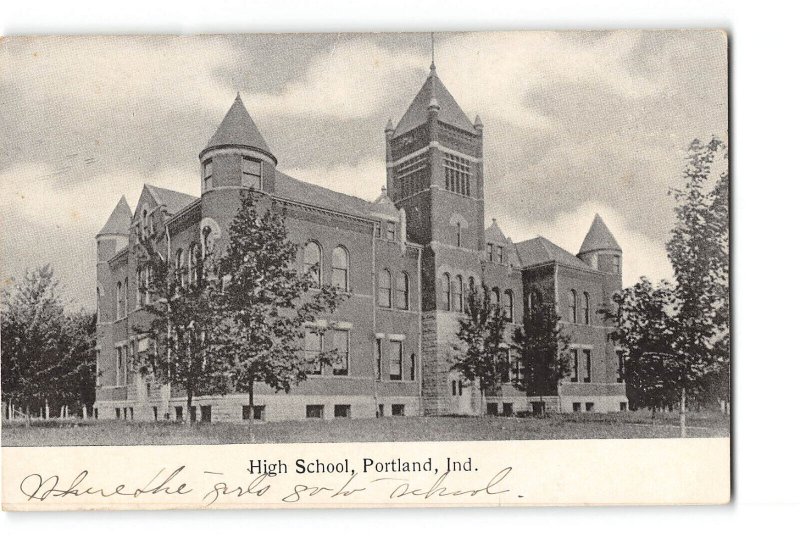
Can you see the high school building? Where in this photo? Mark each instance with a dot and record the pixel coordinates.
(408, 259)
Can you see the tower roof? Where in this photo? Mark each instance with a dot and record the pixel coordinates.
(433, 90)
(599, 237)
(238, 128)
(120, 220)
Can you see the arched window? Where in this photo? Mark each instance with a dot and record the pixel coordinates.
(458, 294)
(508, 305)
(179, 271)
(385, 289)
(495, 297)
(194, 263)
(312, 261)
(119, 299)
(401, 290)
(458, 234)
(446, 292)
(586, 314)
(340, 276)
(471, 284)
(125, 298)
(573, 306)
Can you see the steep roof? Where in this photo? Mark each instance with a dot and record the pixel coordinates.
(541, 250)
(449, 111)
(120, 220)
(238, 128)
(599, 237)
(173, 200)
(307, 193)
(493, 234)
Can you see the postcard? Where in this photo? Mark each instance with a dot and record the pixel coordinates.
(365, 270)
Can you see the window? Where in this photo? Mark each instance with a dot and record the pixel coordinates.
(341, 342)
(489, 252)
(508, 305)
(576, 407)
(315, 411)
(574, 372)
(125, 298)
(205, 413)
(378, 359)
(573, 306)
(446, 292)
(495, 299)
(491, 409)
(207, 241)
(194, 258)
(391, 232)
(155, 413)
(118, 412)
(395, 361)
(312, 261)
(623, 406)
(616, 264)
(401, 290)
(251, 172)
(312, 348)
(208, 173)
(398, 410)
(587, 358)
(458, 294)
(385, 289)
(413, 371)
(411, 176)
(258, 412)
(589, 407)
(341, 268)
(453, 383)
(458, 234)
(586, 314)
(120, 364)
(508, 409)
(471, 286)
(620, 367)
(500, 254)
(119, 299)
(379, 414)
(180, 273)
(460, 388)
(178, 413)
(456, 174)
(193, 413)
(513, 367)
(341, 411)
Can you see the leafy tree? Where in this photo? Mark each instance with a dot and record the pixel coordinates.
(698, 250)
(77, 374)
(181, 322)
(542, 347)
(480, 358)
(265, 303)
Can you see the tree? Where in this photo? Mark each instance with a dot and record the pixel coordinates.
(646, 327)
(181, 324)
(542, 347)
(480, 356)
(699, 253)
(266, 304)
(78, 368)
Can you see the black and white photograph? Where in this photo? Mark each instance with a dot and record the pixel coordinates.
(375, 237)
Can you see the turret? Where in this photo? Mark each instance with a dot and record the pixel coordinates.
(114, 235)
(600, 250)
(237, 154)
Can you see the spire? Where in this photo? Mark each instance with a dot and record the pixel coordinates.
(238, 129)
(118, 224)
(599, 238)
(478, 124)
(389, 126)
(433, 55)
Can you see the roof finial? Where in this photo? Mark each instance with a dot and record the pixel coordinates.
(238, 96)
(433, 54)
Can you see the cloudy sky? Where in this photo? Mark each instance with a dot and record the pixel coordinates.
(575, 124)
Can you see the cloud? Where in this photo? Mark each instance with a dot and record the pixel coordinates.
(641, 255)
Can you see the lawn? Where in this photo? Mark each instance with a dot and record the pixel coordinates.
(563, 426)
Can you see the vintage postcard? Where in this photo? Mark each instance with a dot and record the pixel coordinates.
(365, 270)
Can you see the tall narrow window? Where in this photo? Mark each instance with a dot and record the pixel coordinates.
(586, 312)
(395, 361)
(341, 342)
(573, 306)
(458, 234)
(489, 252)
(194, 263)
(620, 367)
(446, 292)
(208, 173)
(401, 290)
(118, 377)
(119, 299)
(312, 348)
(495, 299)
(508, 305)
(251, 173)
(574, 372)
(341, 268)
(385, 289)
(413, 370)
(180, 272)
(500, 254)
(587, 359)
(312, 261)
(391, 232)
(125, 298)
(457, 174)
(378, 359)
(458, 294)
(616, 264)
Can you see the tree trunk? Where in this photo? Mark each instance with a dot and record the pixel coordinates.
(251, 408)
(27, 417)
(683, 411)
(188, 416)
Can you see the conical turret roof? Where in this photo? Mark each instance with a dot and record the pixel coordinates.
(118, 224)
(239, 129)
(599, 237)
(433, 91)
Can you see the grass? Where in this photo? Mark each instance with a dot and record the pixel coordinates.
(563, 426)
